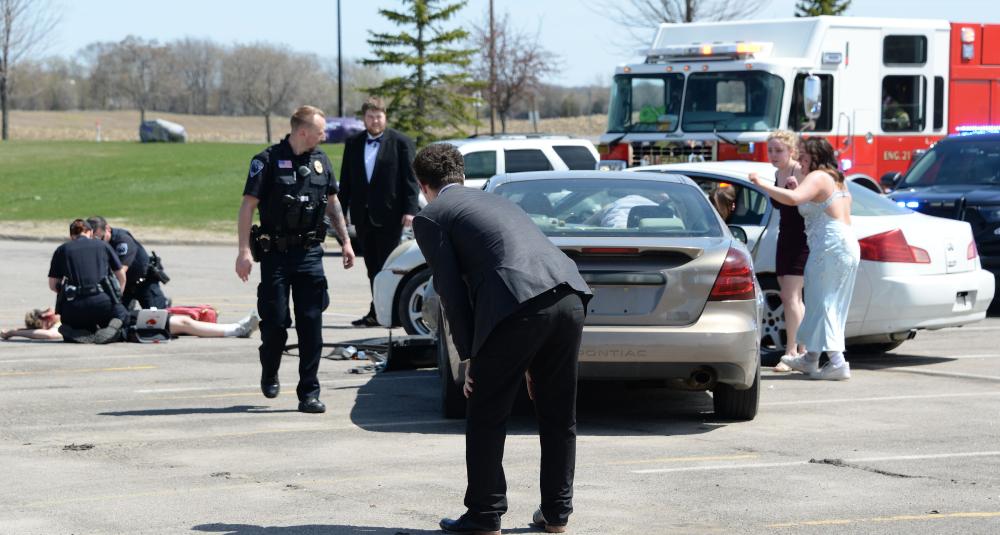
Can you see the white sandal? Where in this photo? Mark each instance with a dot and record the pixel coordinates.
(781, 367)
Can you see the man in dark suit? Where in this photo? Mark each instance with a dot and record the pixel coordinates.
(515, 305)
(378, 190)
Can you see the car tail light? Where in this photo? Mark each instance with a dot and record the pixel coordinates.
(891, 246)
(735, 280)
(972, 251)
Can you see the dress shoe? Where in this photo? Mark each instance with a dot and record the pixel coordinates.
(312, 405)
(465, 525)
(368, 320)
(538, 521)
(270, 386)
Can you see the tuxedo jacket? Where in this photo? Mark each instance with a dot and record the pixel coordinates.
(487, 258)
(393, 189)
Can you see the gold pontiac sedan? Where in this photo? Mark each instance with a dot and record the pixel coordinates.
(675, 296)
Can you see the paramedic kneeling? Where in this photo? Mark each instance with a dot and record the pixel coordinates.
(80, 274)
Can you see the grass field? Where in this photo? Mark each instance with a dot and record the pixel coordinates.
(183, 186)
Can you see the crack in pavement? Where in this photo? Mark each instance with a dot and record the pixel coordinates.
(840, 463)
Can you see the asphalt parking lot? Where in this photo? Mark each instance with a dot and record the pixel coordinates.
(176, 438)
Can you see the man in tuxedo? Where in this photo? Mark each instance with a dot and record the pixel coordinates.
(378, 190)
(500, 279)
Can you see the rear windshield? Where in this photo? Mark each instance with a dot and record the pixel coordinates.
(602, 207)
(958, 162)
(866, 202)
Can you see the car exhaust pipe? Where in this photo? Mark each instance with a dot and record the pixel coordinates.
(701, 379)
(903, 336)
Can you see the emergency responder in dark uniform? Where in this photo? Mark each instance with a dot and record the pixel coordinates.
(80, 273)
(141, 283)
(292, 186)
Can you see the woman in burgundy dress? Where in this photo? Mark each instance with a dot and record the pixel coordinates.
(790, 259)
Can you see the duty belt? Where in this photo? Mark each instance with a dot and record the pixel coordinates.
(72, 291)
(287, 242)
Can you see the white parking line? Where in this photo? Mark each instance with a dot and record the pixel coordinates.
(361, 379)
(750, 466)
(880, 398)
(944, 374)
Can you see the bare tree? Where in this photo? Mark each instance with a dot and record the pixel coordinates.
(265, 79)
(642, 17)
(520, 62)
(24, 27)
(197, 63)
(139, 68)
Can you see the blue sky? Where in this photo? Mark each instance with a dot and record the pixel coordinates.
(587, 44)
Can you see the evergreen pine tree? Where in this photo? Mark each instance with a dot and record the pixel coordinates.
(815, 8)
(427, 96)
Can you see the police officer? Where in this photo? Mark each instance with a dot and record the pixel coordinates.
(291, 184)
(140, 283)
(79, 273)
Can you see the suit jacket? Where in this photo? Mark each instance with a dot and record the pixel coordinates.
(487, 258)
(393, 189)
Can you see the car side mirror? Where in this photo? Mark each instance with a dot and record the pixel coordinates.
(890, 180)
(738, 233)
(812, 97)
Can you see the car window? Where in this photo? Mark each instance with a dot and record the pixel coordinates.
(750, 204)
(482, 164)
(865, 202)
(522, 160)
(958, 162)
(602, 207)
(576, 157)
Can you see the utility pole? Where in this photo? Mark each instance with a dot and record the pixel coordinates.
(340, 69)
(493, 74)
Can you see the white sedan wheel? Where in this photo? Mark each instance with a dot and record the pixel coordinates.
(772, 322)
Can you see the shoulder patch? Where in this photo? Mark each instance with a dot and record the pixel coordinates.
(122, 248)
(256, 166)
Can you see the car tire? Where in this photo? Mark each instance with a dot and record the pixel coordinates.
(874, 349)
(409, 304)
(772, 323)
(732, 404)
(452, 399)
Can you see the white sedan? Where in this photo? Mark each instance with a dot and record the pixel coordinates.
(917, 271)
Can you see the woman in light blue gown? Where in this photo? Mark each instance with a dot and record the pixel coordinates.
(825, 204)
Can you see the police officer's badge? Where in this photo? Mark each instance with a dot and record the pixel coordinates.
(122, 249)
(318, 165)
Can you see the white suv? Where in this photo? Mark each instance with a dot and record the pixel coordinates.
(486, 156)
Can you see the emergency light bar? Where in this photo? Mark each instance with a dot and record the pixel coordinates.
(967, 130)
(709, 52)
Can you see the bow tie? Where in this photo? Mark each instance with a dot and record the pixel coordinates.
(374, 140)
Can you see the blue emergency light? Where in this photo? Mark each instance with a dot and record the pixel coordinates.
(971, 129)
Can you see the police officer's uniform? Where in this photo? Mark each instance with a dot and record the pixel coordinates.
(292, 191)
(138, 284)
(85, 300)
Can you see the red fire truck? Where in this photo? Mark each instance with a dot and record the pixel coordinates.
(878, 89)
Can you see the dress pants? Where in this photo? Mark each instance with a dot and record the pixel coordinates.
(301, 271)
(377, 244)
(543, 336)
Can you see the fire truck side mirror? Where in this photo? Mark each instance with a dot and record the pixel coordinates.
(812, 96)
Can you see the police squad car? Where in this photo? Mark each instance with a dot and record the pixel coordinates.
(959, 178)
